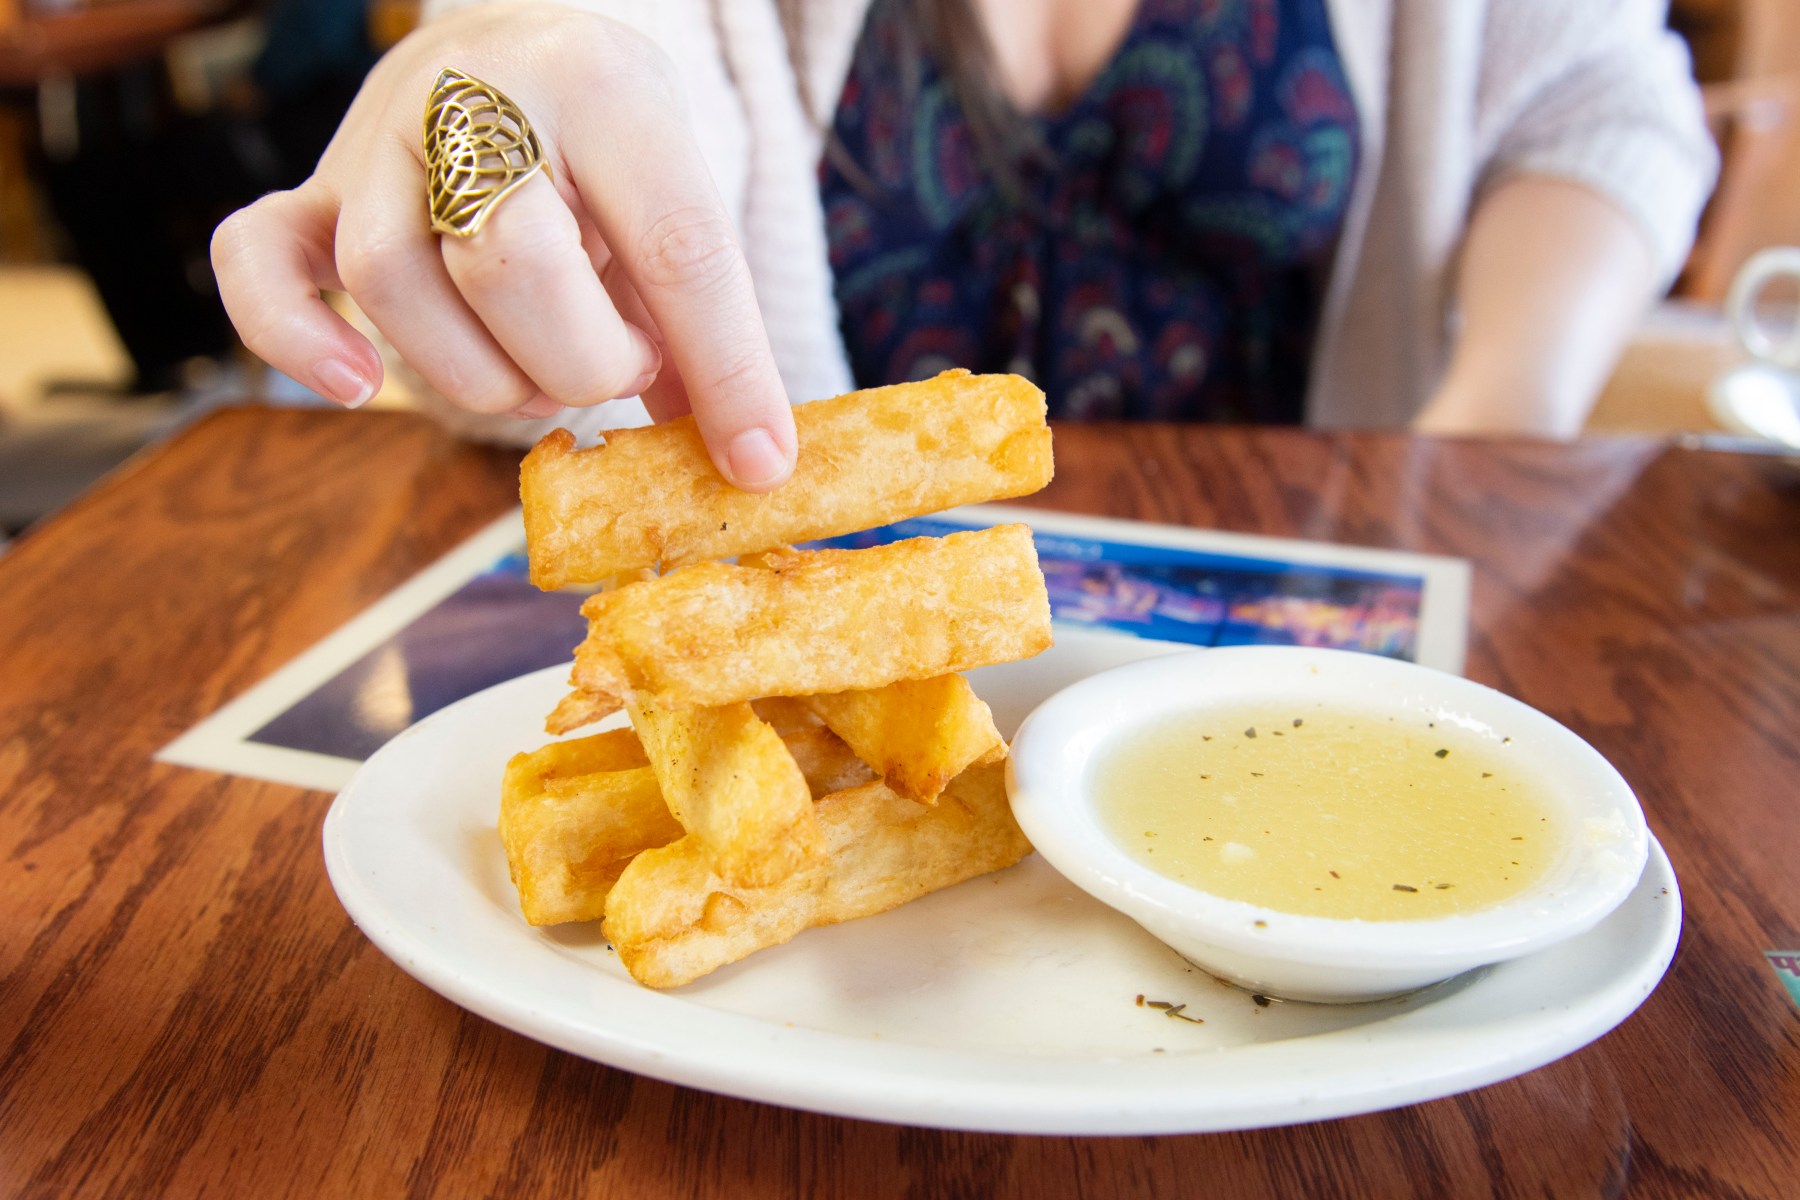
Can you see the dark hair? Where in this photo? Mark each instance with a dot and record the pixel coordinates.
(951, 34)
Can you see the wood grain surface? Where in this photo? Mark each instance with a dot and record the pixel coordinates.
(185, 1010)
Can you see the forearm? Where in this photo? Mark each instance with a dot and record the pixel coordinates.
(1552, 279)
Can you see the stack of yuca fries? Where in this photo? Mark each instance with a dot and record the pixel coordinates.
(803, 747)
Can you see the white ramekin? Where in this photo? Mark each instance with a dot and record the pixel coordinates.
(1320, 958)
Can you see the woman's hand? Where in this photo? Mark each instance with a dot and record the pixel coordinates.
(617, 274)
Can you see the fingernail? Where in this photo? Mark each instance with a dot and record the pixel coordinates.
(537, 408)
(650, 351)
(754, 459)
(342, 384)
(638, 386)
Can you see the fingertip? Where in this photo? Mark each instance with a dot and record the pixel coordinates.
(755, 462)
(362, 354)
(342, 383)
(537, 408)
(650, 355)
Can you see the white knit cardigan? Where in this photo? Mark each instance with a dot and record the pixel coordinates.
(1451, 96)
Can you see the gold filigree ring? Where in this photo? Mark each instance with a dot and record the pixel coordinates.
(479, 149)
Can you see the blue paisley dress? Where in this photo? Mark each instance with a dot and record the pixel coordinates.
(1167, 259)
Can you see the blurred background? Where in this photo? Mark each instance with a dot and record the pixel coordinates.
(129, 128)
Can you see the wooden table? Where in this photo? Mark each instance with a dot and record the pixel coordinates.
(184, 1008)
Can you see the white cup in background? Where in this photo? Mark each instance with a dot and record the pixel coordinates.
(1762, 399)
(1780, 347)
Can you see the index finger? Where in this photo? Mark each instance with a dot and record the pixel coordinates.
(643, 181)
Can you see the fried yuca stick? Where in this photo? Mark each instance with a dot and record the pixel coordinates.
(672, 919)
(613, 750)
(917, 734)
(571, 814)
(868, 458)
(567, 843)
(580, 708)
(569, 831)
(836, 620)
(733, 785)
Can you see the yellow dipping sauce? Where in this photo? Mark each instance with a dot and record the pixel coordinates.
(1329, 813)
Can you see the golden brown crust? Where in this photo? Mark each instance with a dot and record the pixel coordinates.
(572, 814)
(736, 815)
(734, 786)
(673, 919)
(581, 708)
(836, 620)
(652, 495)
(918, 734)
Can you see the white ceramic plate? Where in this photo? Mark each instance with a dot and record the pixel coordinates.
(1005, 1004)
